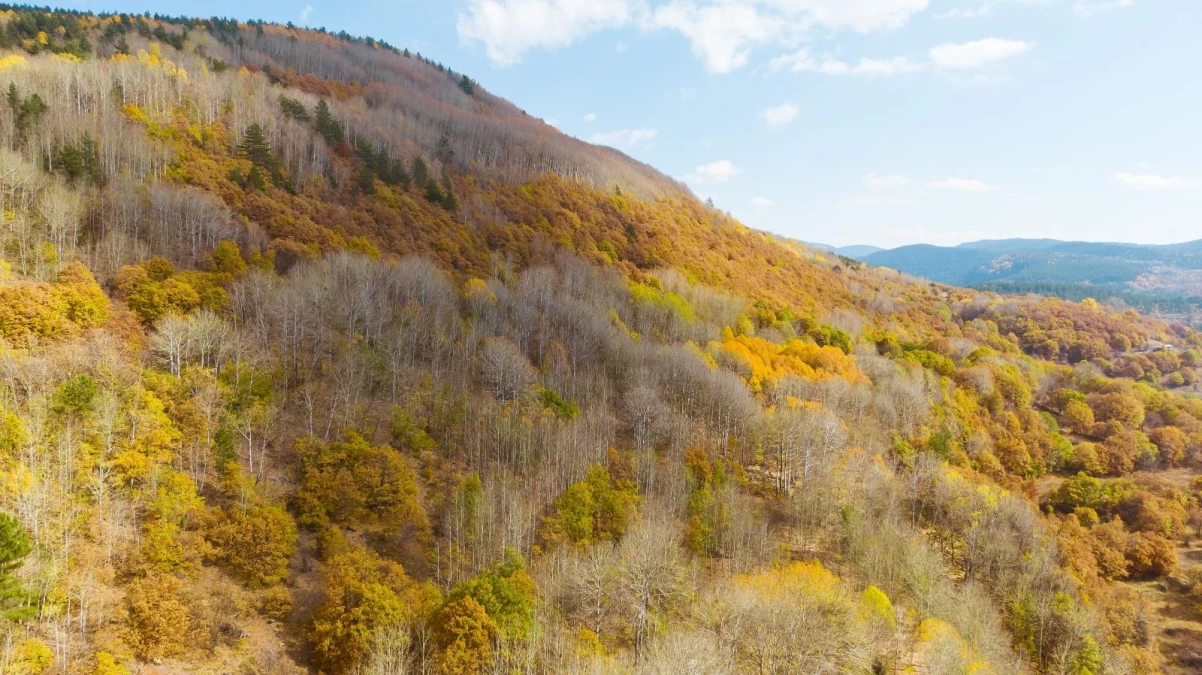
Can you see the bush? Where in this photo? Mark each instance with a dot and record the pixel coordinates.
(1151, 555)
(355, 483)
(158, 617)
(255, 544)
(364, 593)
(598, 508)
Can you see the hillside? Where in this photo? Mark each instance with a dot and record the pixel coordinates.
(1153, 278)
(317, 357)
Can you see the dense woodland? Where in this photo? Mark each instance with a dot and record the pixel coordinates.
(316, 357)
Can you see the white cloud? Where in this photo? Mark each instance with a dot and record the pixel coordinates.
(723, 33)
(510, 28)
(958, 184)
(780, 115)
(762, 202)
(858, 15)
(625, 139)
(720, 35)
(714, 172)
(1091, 7)
(591, 117)
(886, 181)
(966, 12)
(1150, 181)
(801, 60)
(976, 54)
(986, 8)
(304, 15)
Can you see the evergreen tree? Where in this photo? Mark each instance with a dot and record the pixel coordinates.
(367, 180)
(397, 174)
(14, 546)
(293, 109)
(421, 174)
(327, 126)
(467, 85)
(256, 147)
(433, 192)
(256, 179)
(448, 198)
(444, 153)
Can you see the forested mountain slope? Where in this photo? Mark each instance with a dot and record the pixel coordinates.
(316, 357)
(1164, 279)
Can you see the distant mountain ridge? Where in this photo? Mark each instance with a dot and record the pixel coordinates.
(1145, 275)
(856, 251)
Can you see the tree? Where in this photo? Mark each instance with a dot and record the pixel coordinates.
(449, 202)
(31, 657)
(293, 109)
(158, 617)
(364, 594)
(256, 147)
(465, 632)
(506, 369)
(86, 305)
(1151, 555)
(421, 174)
(354, 483)
(255, 543)
(16, 602)
(506, 592)
(1078, 416)
(227, 259)
(327, 126)
(1171, 442)
(797, 618)
(598, 508)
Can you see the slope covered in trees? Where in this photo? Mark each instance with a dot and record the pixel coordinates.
(315, 357)
(1159, 279)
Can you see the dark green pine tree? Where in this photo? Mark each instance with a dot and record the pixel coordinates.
(327, 126)
(256, 147)
(467, 85)
(397, 174)
(256, 179)
(367, 180)
(448, 196)
(433, 192)
(443, 152)
(16, 602)
(421, 174)
(293, 109)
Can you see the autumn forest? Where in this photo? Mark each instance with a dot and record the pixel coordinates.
(316, 357)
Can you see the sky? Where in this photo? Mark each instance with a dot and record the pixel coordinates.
(884, 122)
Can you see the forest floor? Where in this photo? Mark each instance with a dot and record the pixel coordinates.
(1176, 622)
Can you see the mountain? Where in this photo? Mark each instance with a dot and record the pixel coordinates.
(1008, 245)
(856, 251)
(316, 356)
(1165, 277)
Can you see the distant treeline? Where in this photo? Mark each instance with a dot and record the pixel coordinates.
(1167, 303)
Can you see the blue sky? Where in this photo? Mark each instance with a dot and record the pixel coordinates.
(846, 121)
